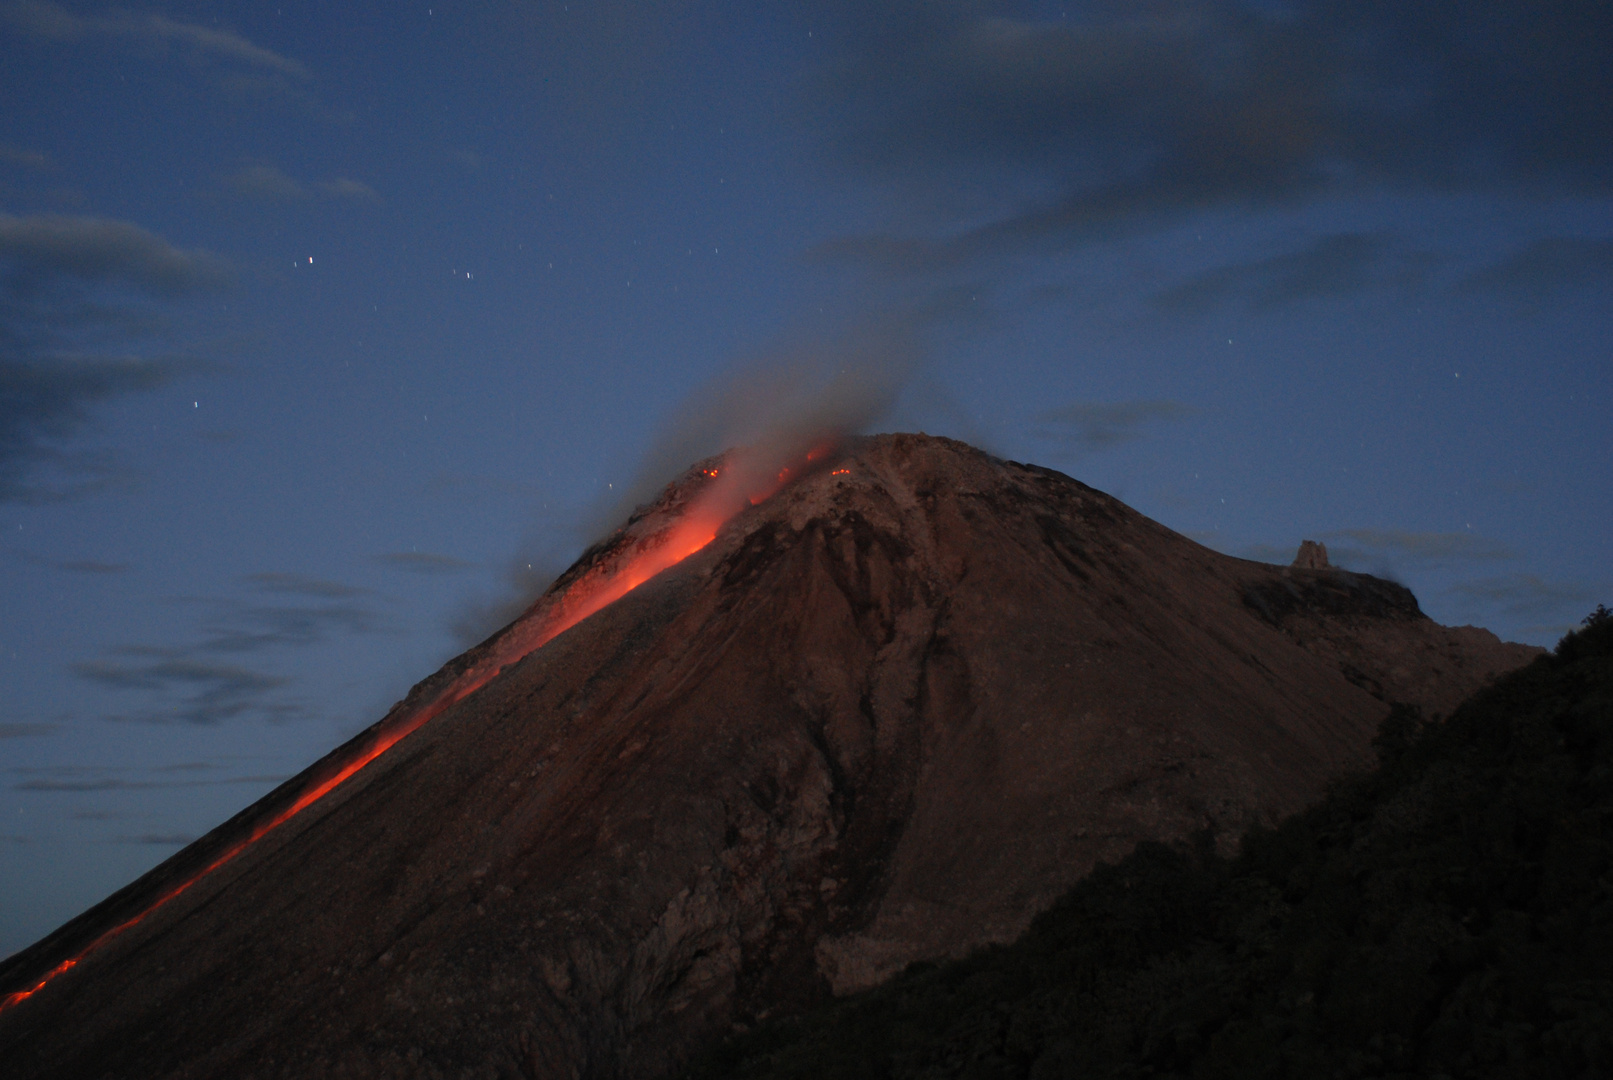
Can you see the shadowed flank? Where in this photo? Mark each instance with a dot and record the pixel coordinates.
(1438, 916)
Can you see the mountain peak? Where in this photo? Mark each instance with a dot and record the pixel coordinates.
(888, 712)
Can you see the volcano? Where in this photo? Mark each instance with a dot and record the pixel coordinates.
(722, 770)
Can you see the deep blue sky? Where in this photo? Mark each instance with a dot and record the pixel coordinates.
(318, 328)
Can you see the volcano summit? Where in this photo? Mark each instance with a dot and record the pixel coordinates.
(888, 713)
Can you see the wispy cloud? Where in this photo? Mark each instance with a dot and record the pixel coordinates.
(265, 182)
(345, 188)
(1009, 136)
(1528, 597)
(1545, 268)
(241, 628)
(422, 562)
(28, 159)
(1334, 265)
(42, 251)
(221, 43)
(76, 566)
(268, 183)
(91, 566)
(114, 783)
(44, 403)
(1428, 547)
(199, 692)
(212, 680)
(75, 292)
(52, 22)
(25, 731)
(1094, 426)
(102, 784)
(245, 626)
(301, 585)
(94, 779)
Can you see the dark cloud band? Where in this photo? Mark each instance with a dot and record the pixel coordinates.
(67, 285)
(52, 22)
(1094, 426)
(39, 251)
(1129, 115)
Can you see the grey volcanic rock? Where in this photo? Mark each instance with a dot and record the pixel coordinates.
(889, 714)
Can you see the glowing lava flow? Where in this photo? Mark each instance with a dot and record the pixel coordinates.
(731, 487)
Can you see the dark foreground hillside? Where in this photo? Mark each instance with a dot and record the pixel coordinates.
(1449, 914)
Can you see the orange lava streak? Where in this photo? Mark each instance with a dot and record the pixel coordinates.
(696, 528)
(685, 538)
(23, 995)
(384, 742)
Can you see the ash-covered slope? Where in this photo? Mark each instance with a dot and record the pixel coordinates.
(889, 714)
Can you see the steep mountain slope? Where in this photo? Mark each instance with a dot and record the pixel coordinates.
(1449, 914)
(888, 714)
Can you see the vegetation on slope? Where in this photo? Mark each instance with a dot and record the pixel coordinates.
(1450, 913)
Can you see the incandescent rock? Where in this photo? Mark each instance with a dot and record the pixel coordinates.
(887, 715)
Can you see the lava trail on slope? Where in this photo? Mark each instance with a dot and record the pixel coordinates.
(685, 519)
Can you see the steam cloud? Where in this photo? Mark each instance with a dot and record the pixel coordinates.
(776, 407)
(773, 409)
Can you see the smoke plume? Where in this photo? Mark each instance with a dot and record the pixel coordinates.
(775, 408)
(771, 410)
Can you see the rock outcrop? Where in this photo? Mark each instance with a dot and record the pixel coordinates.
(1312, 556)
(887, 715)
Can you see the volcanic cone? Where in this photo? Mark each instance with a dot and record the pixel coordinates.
(887, 714)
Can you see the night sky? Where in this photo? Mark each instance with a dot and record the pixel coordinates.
(328, 335)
